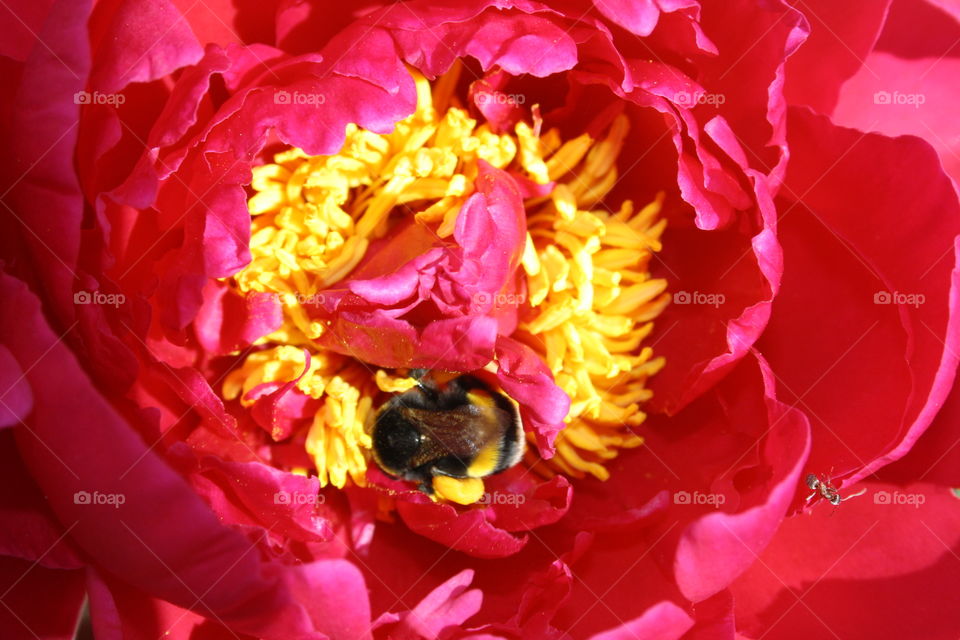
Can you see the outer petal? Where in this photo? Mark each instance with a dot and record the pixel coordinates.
(663, 620)
(873, 290)
(728, 465)
(28, 528)
(883, 566)
(138, 41)
(896, 97)
(77, 448)
(42, 193)
(38, 602)
(841, 36)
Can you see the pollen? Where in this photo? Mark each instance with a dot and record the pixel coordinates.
(590, 299)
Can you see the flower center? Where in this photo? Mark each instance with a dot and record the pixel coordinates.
(590, 297)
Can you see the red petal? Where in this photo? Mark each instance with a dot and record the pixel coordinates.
(835, 341)
(882, 566)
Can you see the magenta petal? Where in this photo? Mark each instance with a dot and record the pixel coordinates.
(526, 379)
(491, 229)
(637, 16)
(467, 531)
(716, 548)
(139, 41)
(335, 596)
(284, 506)
(16, 399)
(448, 606)
(278, 407)
(228, 322)
(519, 44)
(46, 197)
(664, 621)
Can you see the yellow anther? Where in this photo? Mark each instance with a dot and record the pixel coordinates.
(590, 297)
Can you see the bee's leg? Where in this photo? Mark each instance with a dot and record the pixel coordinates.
(810, 497)
(451, 466)
(426, 487)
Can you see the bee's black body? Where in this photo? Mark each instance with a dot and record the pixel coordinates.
(461, 429)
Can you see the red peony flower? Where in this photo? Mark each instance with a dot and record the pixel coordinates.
(708, 250)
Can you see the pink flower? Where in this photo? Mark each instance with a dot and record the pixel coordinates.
(155, 467)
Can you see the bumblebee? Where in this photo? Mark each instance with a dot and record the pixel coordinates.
(459, 428)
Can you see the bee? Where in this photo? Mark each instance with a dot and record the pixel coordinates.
(824, 487)
(459, 428)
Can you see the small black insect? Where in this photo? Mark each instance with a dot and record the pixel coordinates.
(824, 487)
(459, 428)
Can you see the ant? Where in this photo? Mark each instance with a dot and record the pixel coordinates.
(824, 487)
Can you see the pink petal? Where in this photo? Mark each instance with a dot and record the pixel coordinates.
(663, 620)
(527, 379)
(446, 607)
(16, 399)
(906, 97)
(139, 41)
(228, 322)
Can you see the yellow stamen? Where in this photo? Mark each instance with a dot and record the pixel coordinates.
(590, 295)
(593, 298)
